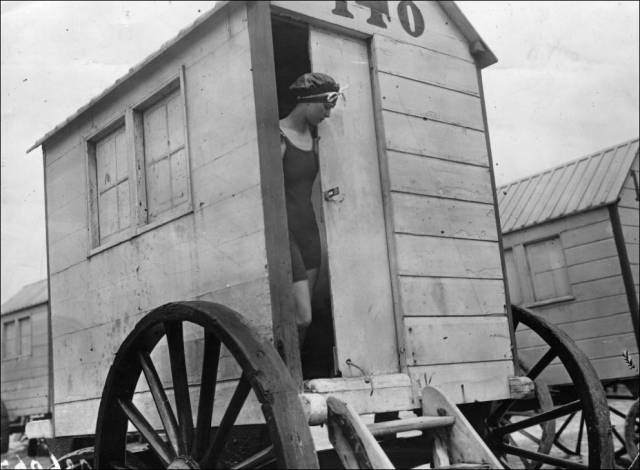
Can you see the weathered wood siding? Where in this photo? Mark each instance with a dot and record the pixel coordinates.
(596, 315)
(25, 379)
(215, 251)
(449, 275)
(445, 257)
(629, 210)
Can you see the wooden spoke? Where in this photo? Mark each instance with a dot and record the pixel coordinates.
(565, 424)
(235, 405)
(543, 458)
(258, 460)
(158, 446)
(175, 341)
(544, 361)
(209, 376)
(579, 439)
(160, 398)
(538, 419)
(529, 436)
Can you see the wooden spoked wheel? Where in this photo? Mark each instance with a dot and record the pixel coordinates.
(584, 395)
(632, 430)
(181, 441)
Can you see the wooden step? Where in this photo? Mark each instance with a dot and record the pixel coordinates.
(410, 424)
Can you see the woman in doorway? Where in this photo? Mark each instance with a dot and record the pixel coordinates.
(316, 95)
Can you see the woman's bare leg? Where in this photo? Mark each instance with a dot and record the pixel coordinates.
(302, 292)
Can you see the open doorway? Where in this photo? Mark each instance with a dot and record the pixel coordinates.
(291, 55)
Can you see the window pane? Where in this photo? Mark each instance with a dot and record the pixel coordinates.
(512, 278)
(105, 163)
(158, 188)
(25, 336)
(548, 269)
(175, 121)
(122, 160)
(124, 205)
(179, 185)
(9, 340)
(155, 133)
(108, 213)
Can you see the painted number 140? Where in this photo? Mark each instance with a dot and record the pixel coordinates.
(380, 9)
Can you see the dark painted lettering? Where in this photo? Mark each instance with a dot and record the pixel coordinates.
(418, 19)
(377, 9)
(341, 9)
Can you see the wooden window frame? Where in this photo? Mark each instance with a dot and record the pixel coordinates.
(17, 352)
(134, 135)
(529, 295)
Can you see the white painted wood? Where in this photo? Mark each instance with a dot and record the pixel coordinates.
(356, 235)
(420, 215)
(466, 382)
(406, 96)
(435, 139)
(441, 296)
(464, 443)
(439, 34)
(447, 257)
(445, 340)
(425, 65)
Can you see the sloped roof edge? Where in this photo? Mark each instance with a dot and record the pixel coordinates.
(480, 51)
(30, 295)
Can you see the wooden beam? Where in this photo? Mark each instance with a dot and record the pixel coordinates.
(285, 333)
(354, 444)
(465, 445)
(410, 424)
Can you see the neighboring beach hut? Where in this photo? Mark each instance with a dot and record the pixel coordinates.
(571, 248)
(25, 374)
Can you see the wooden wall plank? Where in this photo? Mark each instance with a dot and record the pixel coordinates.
(629, 216)
(439, 34)
(447, 340)
(431, 138)
(593, 270)
(618, 324)
(420, 215)
(406, 96)
(586, 234)
(432, 256)
(631, 234)
(591, 252)
(406, 60)
(598, 288)
(466, 382)
(441, 296)
(433, 177)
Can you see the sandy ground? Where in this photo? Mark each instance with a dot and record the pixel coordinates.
(17, 454)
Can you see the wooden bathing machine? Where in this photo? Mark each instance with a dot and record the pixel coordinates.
(571, 246)
(168, 186)
(25, 354)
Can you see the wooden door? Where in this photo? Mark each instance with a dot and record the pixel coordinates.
(354, 219)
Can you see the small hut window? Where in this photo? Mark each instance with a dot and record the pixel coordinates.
(165, 156)
(112, 177)
(9, 340)
(548, 269)
(25, 336)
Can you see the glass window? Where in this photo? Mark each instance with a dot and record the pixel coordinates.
(548, 269)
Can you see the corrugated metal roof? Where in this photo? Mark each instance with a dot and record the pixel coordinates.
(29, 296)
(479, 49)
(586, 183)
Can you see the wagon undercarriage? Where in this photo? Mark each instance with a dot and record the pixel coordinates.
(438, 435)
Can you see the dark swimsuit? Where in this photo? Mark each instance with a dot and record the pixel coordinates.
(300, 171)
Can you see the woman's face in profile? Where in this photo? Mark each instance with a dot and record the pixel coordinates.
(317, 112)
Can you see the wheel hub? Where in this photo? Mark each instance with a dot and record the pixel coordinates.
(184, 462)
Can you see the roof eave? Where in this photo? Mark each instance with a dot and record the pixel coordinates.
(132, 71)
(482, 54)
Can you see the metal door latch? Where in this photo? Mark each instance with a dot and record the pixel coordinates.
(330, 195)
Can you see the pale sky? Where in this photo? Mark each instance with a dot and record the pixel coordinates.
(565, 85)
